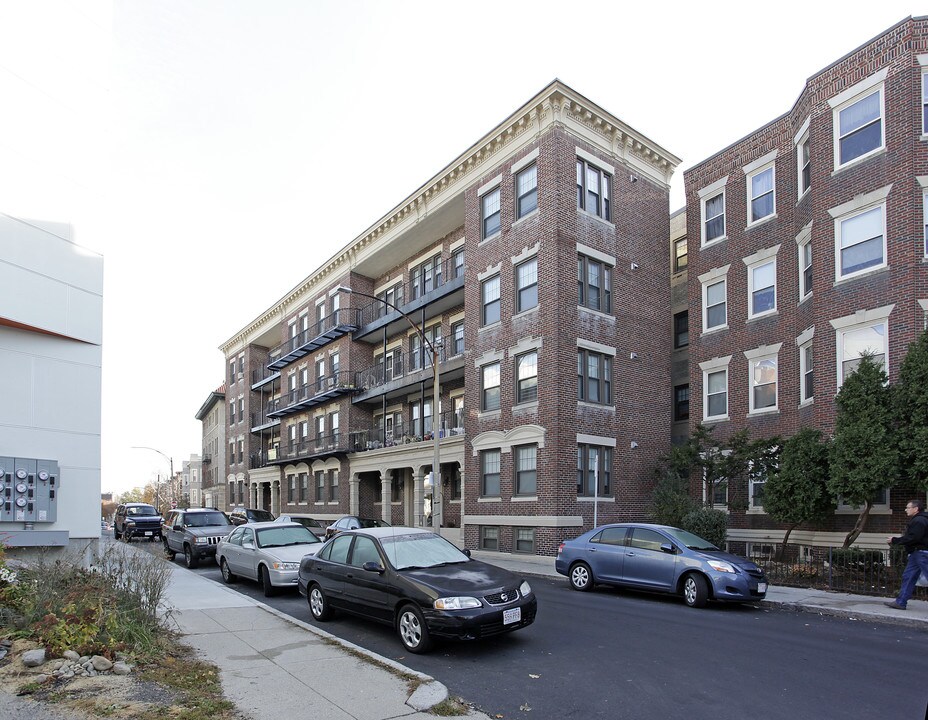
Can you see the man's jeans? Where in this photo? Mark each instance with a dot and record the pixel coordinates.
(917, 564)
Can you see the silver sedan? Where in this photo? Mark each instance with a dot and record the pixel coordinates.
(269, 552)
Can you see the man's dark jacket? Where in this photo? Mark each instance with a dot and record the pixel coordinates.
(916, 533)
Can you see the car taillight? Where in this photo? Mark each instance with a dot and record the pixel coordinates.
(560, 548)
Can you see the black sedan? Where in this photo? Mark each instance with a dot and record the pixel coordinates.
(416, 581)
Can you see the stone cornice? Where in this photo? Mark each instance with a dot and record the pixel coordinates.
(556, 105)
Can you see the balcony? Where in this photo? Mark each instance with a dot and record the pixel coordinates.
(262, 458)
(339, 323)
(376, 438)
(311, 449)
(206, 458)
(263, 376)
(432, 295)
(308, 396)
(405, 371)
(260, 420)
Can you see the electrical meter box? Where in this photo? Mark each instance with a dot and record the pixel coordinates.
(28, 490)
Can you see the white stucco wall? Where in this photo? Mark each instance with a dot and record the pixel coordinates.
(51, 336)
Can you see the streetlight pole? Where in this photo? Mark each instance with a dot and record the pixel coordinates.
(170, 462)
(437, 508)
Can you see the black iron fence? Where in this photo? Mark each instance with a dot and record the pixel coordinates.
(853, 570)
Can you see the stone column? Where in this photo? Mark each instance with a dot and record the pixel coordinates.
(385, 483)
(275, 497)
(354, 494)
(419, 496)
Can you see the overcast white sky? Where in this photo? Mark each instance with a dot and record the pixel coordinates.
(217, 151)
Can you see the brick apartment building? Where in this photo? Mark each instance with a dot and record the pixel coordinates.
(535, 266)
(806, 248)
(212, 416)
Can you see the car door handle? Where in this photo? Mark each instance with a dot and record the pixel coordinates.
(591, 549)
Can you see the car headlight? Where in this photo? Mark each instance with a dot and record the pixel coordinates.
(525, 589)
(720, 566)
(130, 522)
(285, 565)
(201, 540)
(456, 603)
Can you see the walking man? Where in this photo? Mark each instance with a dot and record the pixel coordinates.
(915, 541)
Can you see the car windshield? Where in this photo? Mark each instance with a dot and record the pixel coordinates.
(260, 516)
(420, 550)
(693, 542)
(141, 510)
(287, 535)
(308, 522)
(206, 519)
(371, 523)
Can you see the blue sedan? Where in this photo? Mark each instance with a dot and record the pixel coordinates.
(659, 558)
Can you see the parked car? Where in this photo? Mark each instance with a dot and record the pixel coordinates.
(416, 581)
(242, 515)
(352, 522)
(136, 520)
(316, 527)
(194, 533)
(661, 558)
(269, 552)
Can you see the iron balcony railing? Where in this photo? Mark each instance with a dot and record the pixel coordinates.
(341, 322)
(262, 375)
(398, 364)
(327, 444)
(261, 420)
(319, 391)
(428, 280)
(375, 437)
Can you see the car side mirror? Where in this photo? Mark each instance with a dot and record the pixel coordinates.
(466, 552)
(668, 548)
(248, 544)
(373, 566)
(178, 527)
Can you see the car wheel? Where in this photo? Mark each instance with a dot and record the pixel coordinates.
(268, 589)
(227, 577)
(190, 560)
(318, 603)
(695, 590)
(413, 631)
(168, 553)
(581, 577)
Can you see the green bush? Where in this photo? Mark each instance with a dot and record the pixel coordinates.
(854, 558)
(708, 524)
(670, 501)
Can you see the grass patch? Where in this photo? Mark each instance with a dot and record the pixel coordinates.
(451, 707)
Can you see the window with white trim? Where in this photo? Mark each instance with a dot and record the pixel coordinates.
(527, 285)
(489, 387)
(527, 191)
(679, 255)
(593, 190)
(762, 288)
(806, 373)
(489, 537)
(855, 342)
(861, 242)
(859, 127)
(804, 164)
(805, 267)
(489, 290)
(715, 304)
(761, 194)
(880, 501)
(757, 479)
(763, 365)
(713, 217)
(527, 377)
(715, 388)
(525, 541)
(715, 401)
(925, 220)
(489, 214)
(924, 103)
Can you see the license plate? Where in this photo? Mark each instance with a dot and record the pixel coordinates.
(148, 532)
(762, 587)
(512, 616)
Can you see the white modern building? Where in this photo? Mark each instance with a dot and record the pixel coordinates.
(51, 345)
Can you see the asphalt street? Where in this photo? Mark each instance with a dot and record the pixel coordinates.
(633, 655)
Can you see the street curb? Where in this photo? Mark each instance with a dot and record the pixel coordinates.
(848, 614)
(429, 692)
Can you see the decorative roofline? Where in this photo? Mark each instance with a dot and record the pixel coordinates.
(556, 105)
